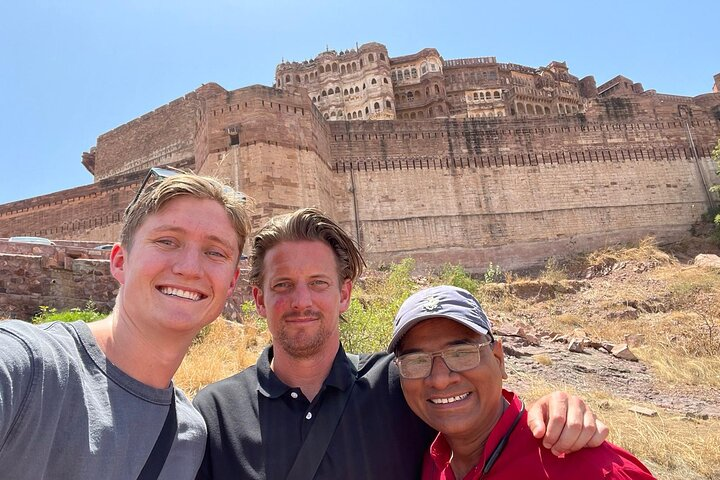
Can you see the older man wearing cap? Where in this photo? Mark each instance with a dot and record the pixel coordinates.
(483, 428)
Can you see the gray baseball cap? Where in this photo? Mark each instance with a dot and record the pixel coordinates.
(444, 301)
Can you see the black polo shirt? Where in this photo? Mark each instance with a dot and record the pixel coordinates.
(256, 424)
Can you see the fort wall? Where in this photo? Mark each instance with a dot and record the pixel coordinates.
(518, 215)
(160, 137)
(61, 277)
(280, 152)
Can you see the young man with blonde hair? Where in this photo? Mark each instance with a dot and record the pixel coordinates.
(97, 401)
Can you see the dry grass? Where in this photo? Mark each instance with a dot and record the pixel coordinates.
(223, 349)
(673, 447)
(646, 251)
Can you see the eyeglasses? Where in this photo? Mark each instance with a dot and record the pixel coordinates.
(158, 173)
(155, 173)
(458, 359)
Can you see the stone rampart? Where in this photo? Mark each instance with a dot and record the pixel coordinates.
(160, 137)
(61, 277)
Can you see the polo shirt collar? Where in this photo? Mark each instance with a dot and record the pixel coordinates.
(342, 374)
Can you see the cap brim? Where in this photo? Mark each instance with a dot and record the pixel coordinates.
(397, 336)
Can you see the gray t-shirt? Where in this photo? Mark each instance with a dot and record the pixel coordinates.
(67, 412)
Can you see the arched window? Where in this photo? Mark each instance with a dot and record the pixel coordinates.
(363, 86)
(357, 90)
(297, 78)
(320, 69)
(314, 99)
(547, 110)
(332, 114)
(427, 91)
(496, 94)
(359, 113)
(385, 80)
(376, 107)
(406, 73)
(337, 89)
(371, 58)
(373, 82)
(520, 109)
(354, 114)
(538, 110)
(342, 68)
(410, 96)
(475, 96)
(334, 67)
(412, 115)
(437, 89)
(417, 93)
(327, 117)
(345, 92)
(354, 67)
(367, 110)
(324, 93)
(388, 104)
(330, 91)
(382, 56)
(440, 109)
(287, 78)
(413, 72)
(421, 114)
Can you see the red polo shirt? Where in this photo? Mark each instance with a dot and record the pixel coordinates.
(525, 458)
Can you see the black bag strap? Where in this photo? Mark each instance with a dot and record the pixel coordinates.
(161, 449)
(315, 445)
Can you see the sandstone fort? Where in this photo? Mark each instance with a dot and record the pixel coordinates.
(464, 161)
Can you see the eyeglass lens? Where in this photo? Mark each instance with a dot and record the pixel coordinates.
(457, 359)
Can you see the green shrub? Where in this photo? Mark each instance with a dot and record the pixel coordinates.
(456, 276)
(368, 323)
(50, 314)
(493, 274)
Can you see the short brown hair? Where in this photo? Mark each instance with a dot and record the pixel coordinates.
(305, 224)
(162, 190)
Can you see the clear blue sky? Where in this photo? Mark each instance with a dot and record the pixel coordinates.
(72, 70)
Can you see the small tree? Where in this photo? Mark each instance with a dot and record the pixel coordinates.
(716, 188)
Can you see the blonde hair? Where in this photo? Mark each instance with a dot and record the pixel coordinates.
(162, 190)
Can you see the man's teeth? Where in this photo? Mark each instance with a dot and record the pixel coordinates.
(180, 293)
(456, 398)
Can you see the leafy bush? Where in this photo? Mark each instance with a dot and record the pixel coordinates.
(51, 314)
(493, 274)
(456, 276)
(368, 323)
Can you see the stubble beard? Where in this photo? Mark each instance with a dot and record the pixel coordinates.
(303, 344)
